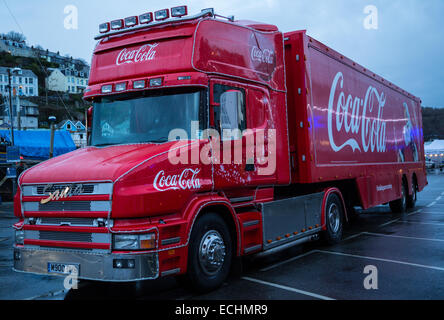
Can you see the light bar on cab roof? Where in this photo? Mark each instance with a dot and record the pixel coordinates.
(161, 15)
(179, 11)
(104, 27)
(149, 19)
(131, 21)
(117, 24)
(146, 18)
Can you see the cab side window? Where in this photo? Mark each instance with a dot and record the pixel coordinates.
(241, 116)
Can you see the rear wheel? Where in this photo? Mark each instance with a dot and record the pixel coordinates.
(411, 199)
(210, 253)
(334, 217)
(400, 205)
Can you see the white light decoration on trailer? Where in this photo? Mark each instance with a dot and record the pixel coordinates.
(117, 24)
(131, 21)
(104, 27)
(161, 14)
(179, 11)
(146, 18)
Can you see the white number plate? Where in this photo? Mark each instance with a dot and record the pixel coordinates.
(62, 268)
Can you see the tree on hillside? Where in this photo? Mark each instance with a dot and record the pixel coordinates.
(14, 36)
(433, 123)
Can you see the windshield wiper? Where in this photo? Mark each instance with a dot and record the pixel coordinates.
(103, 145)
(160, 140)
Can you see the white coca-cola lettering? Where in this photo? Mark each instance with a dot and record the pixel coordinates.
(263, 56)
(146, 52)
(350, 119)
(187, 180)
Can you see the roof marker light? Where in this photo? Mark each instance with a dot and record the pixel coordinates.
(161, 14)
(117, 24)
(156, 82)
(146, 18)
(107, 88)
(121, 87)
(104, 27)
(139, 84)
(131, 21)
(179, 11)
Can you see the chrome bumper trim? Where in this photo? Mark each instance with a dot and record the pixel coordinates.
(92, 266)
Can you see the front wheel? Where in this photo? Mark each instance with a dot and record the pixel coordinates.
(210, 253)
(334, 217)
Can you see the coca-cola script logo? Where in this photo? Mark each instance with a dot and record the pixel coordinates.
(146, 52)
(187, 180)
(262, 56)
(360, 119)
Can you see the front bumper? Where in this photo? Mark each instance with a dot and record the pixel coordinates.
(92, 266)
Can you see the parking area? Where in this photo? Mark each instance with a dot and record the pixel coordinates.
(405, 253)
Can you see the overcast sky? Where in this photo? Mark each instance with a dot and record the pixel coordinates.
(407, 47)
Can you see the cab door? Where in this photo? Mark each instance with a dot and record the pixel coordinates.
(236, 156)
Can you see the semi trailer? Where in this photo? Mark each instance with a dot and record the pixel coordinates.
(212, 139)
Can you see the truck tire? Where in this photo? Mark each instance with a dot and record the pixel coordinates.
(209, 253)
(400, 205)
(334, 217)
(411, 199)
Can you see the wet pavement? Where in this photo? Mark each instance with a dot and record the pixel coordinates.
(405, 253)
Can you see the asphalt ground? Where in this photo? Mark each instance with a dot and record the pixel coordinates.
(405, 254)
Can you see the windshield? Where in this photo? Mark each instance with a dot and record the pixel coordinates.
(146, 117)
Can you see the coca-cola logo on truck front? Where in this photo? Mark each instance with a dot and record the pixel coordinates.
(146, 52)
(359, 119)
(187, 180)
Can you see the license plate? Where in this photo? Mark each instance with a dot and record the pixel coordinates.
(62, 268)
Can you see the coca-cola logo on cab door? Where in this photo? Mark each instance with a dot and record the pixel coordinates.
(187, 180)
(146, 52)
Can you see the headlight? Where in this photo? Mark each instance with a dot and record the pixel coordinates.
(19, 237)
(134, 242)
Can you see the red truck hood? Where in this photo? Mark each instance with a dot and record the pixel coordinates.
(93, 164)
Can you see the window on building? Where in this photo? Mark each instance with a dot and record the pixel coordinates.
(31, 81)
(31, 91)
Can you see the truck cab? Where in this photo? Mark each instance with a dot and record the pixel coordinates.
(130, 206)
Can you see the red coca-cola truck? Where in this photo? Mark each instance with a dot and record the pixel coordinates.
(211, 139)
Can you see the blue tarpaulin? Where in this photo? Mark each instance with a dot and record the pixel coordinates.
(34, 144)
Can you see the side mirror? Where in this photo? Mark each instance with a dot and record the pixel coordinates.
(230, 113)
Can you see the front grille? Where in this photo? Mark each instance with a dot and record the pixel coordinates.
(87, 189)
(71, 221)
(65, 236)
(66, 206)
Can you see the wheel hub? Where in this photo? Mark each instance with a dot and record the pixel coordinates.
(212, 252)
(334, 218)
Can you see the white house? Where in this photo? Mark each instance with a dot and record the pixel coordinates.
(67, 80)
(25, 83)
(29, 115)
(56, 81)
